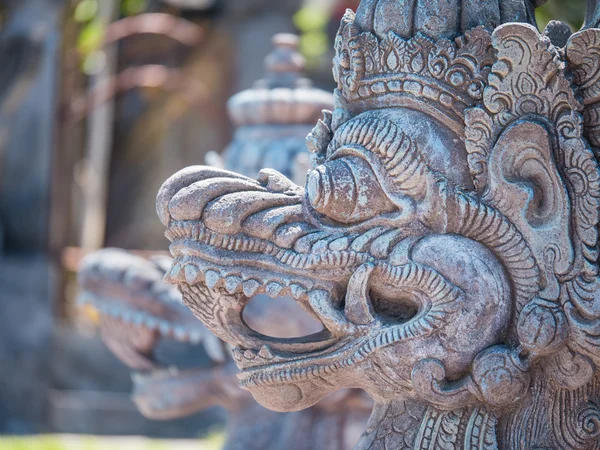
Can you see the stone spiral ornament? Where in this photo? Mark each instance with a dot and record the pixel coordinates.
(447, 237)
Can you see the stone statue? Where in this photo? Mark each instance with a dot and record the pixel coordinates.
(273, 118)
(447, 237)
(138, 310)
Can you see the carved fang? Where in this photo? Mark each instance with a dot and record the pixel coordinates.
(266, 353)
(332, 318)
(191, 274)
(359, 309)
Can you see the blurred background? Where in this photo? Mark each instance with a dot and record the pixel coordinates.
(100, 102)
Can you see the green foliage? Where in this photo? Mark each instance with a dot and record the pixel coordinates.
(132, 7)
(90, 38)
(569, 11)
(86, 11)
(91, 35)
(311, 19)
(312, 23)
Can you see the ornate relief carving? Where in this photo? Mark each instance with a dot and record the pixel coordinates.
(447, 238)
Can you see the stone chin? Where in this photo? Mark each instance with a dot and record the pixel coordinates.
(289, 397)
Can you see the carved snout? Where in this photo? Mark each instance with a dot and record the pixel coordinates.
(346, 190)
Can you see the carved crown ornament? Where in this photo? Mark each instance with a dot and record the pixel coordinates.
(447, 236)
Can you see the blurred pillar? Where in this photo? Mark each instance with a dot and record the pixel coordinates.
(29, 49)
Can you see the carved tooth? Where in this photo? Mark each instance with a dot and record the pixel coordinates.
(249, 355)
(297, 291)
(195, 337)
(165, 328)
(191, 274)
(152, 323)
(266, 353)
(214, 348)
(212, 278)
(232, 284)
(322, 305)
(344, 257)
(359, 309)
(274, 289)
(250, 287)
(176, 273)
(237, 354)
(138, 318)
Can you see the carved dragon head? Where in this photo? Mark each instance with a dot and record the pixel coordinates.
(138, 311)
(447, 237)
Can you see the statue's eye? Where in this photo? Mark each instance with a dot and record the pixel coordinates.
(347, 191)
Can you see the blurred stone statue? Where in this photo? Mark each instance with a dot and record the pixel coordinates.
(273, 118)
(447, 237)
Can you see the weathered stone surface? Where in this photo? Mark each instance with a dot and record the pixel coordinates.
(29, 43)
(29, 40)
(25, 349)
(447, 237)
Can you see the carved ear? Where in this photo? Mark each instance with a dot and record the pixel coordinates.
(525, 185)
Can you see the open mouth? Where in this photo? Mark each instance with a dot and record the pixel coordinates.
(242, 286)
(257, 352)
(220, 274)
(264, 360)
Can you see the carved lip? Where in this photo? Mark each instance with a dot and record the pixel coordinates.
(300, 367)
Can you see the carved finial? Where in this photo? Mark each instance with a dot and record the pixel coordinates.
(284, 96)
(285, 64)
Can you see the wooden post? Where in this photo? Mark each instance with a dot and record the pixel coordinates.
(99, 144)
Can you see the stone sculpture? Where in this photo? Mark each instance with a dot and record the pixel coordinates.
(273, 118)
(138, 309)
(447, 237)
